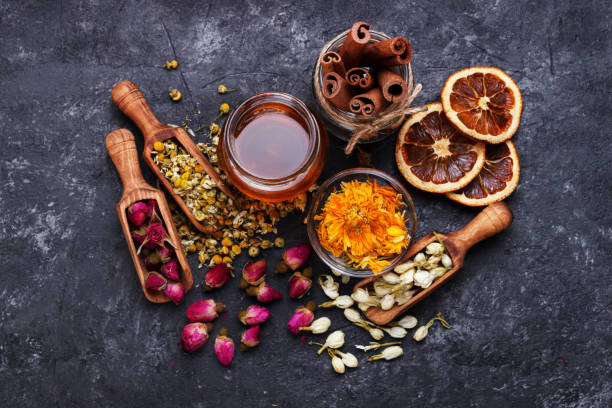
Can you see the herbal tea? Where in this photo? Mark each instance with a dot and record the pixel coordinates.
(272, 145)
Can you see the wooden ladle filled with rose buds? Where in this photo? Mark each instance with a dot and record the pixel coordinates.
(492, 220)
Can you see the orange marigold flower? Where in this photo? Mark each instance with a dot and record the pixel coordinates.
(363, 223)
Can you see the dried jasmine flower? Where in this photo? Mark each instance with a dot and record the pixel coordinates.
(374, 345)
(341, 302)
(397, 332)
(388, 354)
(320, 325)
(407, 322)
(335, 340)
(329, 286)
(348, 359)
(422, 331)
(352, 315)
(387, 302)
(337, 364)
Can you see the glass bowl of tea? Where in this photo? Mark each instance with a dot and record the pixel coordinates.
(272, 147)
(361, 222)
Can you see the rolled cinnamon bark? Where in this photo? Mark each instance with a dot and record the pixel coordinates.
(401, 59)
(332, 62)
(360, 77)
(337, 91)
(384, 49)
(392, 85)
(369, 103)
(356, 40)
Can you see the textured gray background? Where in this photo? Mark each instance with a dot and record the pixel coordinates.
(530, 311)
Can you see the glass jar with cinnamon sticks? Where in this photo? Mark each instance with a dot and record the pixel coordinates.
(362, 83)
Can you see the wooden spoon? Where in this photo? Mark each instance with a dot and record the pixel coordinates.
(130, 100)
(492, 220)
(122, 149)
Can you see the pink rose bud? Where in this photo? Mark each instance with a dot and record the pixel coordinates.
(224, 348)
(165, 253)
(204, 310)
(254, 272)
(156, 233)
(216, 277)
(302, 317)
(139, 235)
(254, 315)
(171, 270)
(250, 338)
(155, 281)
(294, 257)
(152, 206)
(299, 284)
(138, 213)
(194, 336)
(264, 293)
(175, 292)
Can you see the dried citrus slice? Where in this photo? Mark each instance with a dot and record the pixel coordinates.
(434, 156)
(483, 102)
(497, 179)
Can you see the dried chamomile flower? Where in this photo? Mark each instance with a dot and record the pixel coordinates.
(407, 322)
(320, 325)
(396, 332)
(224, 108)
(329, 286)
(341, 302)
(388, 354)
(175, 95)
(222, 89)
(374, 345)
(335, 340)
(169, 65)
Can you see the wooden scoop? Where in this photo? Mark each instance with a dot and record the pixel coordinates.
(130, 100)
(122, 149)
(490, 221)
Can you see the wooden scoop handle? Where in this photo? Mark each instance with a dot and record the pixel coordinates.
(122, 150)
(492, 220)
(130, 100)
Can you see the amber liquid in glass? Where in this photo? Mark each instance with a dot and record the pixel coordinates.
(272, 144)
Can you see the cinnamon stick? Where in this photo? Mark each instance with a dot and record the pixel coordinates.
(384, 49)
(402, 59)
(392, 85)
(369, 103)
(360, 77)
(332, 62)
(337, 91)
(356, 40)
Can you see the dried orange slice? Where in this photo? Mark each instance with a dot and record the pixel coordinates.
(434, 156)
(497, 179)
(483, 102)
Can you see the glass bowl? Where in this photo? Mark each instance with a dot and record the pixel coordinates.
(334, 184)
(344, 130)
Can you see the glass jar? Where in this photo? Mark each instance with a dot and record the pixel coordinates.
(350, 121)
(286, 117)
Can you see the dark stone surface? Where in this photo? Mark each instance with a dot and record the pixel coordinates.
(530, 311)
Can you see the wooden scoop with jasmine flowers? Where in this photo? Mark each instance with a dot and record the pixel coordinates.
(428, 265)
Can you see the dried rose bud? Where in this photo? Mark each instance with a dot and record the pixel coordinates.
(254, 273)
(156, 234)
(204, 310)
(224, 348)
(264, 293)
(175, 292)
(152, 206)
(139, 235)
(155, 281)
(194, 336)
(299, 285)
(250, 338)
(165, 253)
(138, 213)
(294, 257)
(302, 317)
(254, 315)
(216, 277)
(152, 262)
(171, 270)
